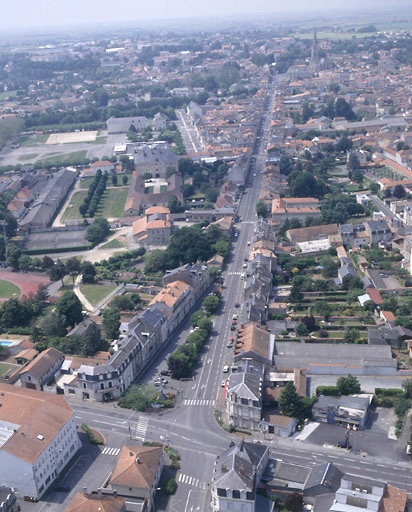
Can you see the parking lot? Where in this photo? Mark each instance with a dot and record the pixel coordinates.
(373, 441)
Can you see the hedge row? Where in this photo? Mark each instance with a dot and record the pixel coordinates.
(32, 252)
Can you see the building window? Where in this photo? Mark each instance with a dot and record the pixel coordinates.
(102, 386)
(71, 391)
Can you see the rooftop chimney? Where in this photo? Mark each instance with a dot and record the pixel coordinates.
(242, 471)
(223, 468)
(115, 493)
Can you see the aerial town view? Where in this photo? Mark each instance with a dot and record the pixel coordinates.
(206, 256)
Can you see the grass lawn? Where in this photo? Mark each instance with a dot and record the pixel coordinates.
(113, 244)
(163, 188)
(30, 156)
(85, 183)
(7, 94)
(4, 367)
(8, 290)
(76, 201)
(100, 140)
(111, 205)
(113, 202)
(33, 140)
(149, 190)
(95, 293)
(64, 158)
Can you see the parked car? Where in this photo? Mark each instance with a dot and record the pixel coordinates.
(165, 372)
(233, 327)
(223, 383)
(226, 368)
(62, 488)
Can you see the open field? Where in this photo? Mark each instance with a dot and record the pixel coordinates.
(33, 140)
(111, 205)
(63, 158)
(30, 156)
(335, 36)
(95, 293)
(113, 244)
(72, 137)
(8, 289)
(7, 94)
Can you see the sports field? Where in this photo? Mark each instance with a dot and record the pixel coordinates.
(8, 290)
(72, 137)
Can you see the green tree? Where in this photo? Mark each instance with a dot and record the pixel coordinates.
(88, 272)
(73, 267)
(92, 341)
(125, 179)
(222, 247)
(180, 365)
(211, 304)
(402, 406)
(114, 179)
(111, 322)
(139, 398)
(13, 254)
(322, 308)
(70, 307)
(98, 230)
(53, 325)
(301, 329)
(399, 191)
(24, 262)
(294, 502)
(58, 271)
(289, 401)
(174, 205)
(351, 335)
(343, 109)
(353, 162)
(407, 387)
(374, 187)
(261, 209)
(205, 324)
(348, 385)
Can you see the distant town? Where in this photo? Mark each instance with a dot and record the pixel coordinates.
(206, 270)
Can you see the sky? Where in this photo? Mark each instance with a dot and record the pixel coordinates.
(35, 14)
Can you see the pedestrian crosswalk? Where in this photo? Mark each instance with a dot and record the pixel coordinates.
(191, 480)
(188, 401)
(141, 427)
(235, 273)
(110, 451)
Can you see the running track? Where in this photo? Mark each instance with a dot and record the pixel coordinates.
(28, 283)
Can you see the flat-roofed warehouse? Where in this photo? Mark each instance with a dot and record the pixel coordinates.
(335, 359)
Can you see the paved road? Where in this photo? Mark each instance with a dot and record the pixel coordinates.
(191, 139)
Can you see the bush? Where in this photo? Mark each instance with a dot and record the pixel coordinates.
(327, 391)
(323, 333)
(388, 391)
(170, 486)
(90, 435)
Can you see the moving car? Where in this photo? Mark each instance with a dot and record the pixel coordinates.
(226, 368)
(223, 383)
(237, 305)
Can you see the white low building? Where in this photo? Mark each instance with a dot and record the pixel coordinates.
(38, 438)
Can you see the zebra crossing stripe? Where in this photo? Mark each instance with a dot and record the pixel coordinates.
(105, 449)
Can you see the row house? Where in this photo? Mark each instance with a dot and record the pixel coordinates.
(142, 338)
(299, 208)
(244, 400)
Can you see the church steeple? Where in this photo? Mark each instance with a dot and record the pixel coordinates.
(314, 58)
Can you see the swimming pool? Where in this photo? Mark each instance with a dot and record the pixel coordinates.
(5, 343)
